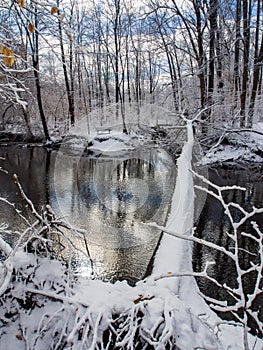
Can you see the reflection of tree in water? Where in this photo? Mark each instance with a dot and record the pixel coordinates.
(73, 191)
(32, 166)
(215, 226)
(116, 179)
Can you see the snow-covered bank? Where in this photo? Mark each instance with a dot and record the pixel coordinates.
(236, 146)
(111, 143)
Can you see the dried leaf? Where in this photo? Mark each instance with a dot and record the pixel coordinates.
(5, 51)
(19, 336)
(6, 61)
(1, 48)
(169, 273)
(31, 28)
(9, 58)
(70, 37)
(21, 3)
(54, 10)
(11, 61)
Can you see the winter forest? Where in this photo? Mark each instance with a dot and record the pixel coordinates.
(131, 154)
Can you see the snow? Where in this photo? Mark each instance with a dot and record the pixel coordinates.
(72, 313)
(245, 147)
(112, 143)
(229, 153)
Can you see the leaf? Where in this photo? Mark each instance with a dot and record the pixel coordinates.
(5, 51)
(1, 49)
(169, 273)
(31, 28)
(6, 61)
(19, 336)
(70, 37)
(54, 10)
(11, 61)
(21, 3)
(9, 57)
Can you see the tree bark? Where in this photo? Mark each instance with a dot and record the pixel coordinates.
(258, 61)
(35, 60)
(245, 75)
(212, 45)
(237, 50)
(69, 86)
(256, 79)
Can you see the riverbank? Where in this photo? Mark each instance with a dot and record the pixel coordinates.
(229, 149)
(237, 147)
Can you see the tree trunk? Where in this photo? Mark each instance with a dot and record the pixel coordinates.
(258, 60)
(237, 51)
(256, 78)
(65, 71)
(212, 45)
(245, 77)
(201, 58)
(35, 60)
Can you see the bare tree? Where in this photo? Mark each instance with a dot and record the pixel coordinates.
(67, 76)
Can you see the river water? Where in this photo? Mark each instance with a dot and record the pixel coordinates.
(214, 226)
(110, 197)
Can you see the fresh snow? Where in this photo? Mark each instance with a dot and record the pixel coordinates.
(244, 147)
(229, 153)
(112, 143)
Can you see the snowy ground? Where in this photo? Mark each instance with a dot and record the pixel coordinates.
(245, 147)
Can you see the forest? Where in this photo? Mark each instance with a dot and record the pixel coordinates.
(61, 60)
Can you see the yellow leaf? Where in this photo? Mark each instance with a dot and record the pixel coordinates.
(54, 10)
(31, 28)
(1, 48)
(169, 273)
(9, 58)
(11, 61)
(5, 51)
(21, 3)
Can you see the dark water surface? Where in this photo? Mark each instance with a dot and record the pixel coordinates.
(213, 225)
(109, 197)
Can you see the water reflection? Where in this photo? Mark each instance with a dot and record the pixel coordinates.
(213, 225)
(109, 198)
(112, 197)
(32, 165)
